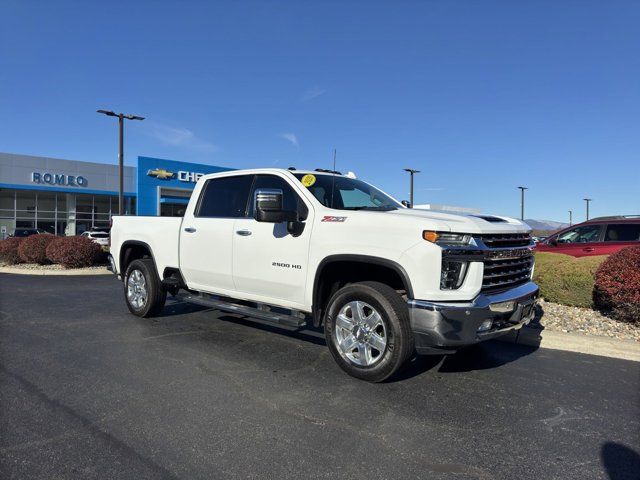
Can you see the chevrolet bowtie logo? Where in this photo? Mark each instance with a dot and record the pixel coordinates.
(161, 173)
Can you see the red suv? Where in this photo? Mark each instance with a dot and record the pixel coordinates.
(599, 236)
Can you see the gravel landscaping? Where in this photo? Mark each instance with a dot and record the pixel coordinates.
(583, 320)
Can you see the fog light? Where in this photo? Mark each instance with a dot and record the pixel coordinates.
(452, 274)
(486, 325)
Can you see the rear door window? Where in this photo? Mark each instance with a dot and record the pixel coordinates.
(622, 232)
(225, 197)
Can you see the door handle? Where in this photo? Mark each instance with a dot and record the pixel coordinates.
(189, 229)
(243, 233)
(588, 249)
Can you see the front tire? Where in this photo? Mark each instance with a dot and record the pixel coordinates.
(367, 330)
(143, 292)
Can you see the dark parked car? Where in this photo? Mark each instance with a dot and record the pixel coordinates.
(599, 236)
(27, 232)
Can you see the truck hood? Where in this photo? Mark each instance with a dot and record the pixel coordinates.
(465, 223)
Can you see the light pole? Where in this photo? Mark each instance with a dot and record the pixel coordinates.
(570, 217)
(587, 200)
(411, 173)
(522, 189)
(121, 117)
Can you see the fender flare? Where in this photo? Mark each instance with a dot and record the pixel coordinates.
(384, 262)
(129, 243)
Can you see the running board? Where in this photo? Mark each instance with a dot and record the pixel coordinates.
(296, 319)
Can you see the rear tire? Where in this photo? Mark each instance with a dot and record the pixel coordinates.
(367, 330)
(143, 291)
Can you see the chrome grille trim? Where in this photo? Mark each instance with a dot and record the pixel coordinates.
(504, 274)
(502, 240)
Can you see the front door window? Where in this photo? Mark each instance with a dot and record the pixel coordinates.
(584, 234)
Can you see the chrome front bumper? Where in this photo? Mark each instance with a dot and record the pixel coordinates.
(440, 327)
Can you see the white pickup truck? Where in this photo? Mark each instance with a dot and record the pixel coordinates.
(321, 248)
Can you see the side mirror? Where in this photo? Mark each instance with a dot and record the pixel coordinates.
(406, 203)
(267, 207)
(553, 241)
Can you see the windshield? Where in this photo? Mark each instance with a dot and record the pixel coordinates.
(348, 193)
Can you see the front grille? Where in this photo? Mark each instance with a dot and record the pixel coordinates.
(504, 274)
(506, 240)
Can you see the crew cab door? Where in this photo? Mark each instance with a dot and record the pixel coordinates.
(269, 262)
(206, 236)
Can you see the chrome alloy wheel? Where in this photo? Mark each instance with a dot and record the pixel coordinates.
(360, 333)
(137, 289)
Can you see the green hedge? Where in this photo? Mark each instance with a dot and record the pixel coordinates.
(565, 279)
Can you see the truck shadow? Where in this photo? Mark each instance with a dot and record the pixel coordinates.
(485, 356)
(482, 356)
(306, 334)
(173, 308)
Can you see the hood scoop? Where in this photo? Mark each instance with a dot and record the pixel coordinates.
(491, 219)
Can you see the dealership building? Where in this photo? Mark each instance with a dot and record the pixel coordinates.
(68, 197)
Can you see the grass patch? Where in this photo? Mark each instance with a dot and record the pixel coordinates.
(565, 279)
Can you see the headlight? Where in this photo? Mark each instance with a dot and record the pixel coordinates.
(447, 238)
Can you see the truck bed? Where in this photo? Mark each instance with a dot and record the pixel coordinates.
(161, 234)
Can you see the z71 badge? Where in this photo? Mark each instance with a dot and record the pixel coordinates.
(331, 218)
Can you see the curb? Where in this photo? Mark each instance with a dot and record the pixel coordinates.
(575, 342)
(77, 271)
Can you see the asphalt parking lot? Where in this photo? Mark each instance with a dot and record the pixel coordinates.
(89, 391)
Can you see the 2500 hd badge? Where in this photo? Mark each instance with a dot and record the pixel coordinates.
(286, 265)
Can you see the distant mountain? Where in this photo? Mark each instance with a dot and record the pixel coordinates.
(546, 225)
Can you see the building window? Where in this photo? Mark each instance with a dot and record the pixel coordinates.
(7, 203)
(46, 212)
(57, 212)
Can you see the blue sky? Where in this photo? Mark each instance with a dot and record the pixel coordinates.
(481, 96)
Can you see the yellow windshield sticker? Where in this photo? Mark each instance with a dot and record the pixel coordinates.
(308, 180)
